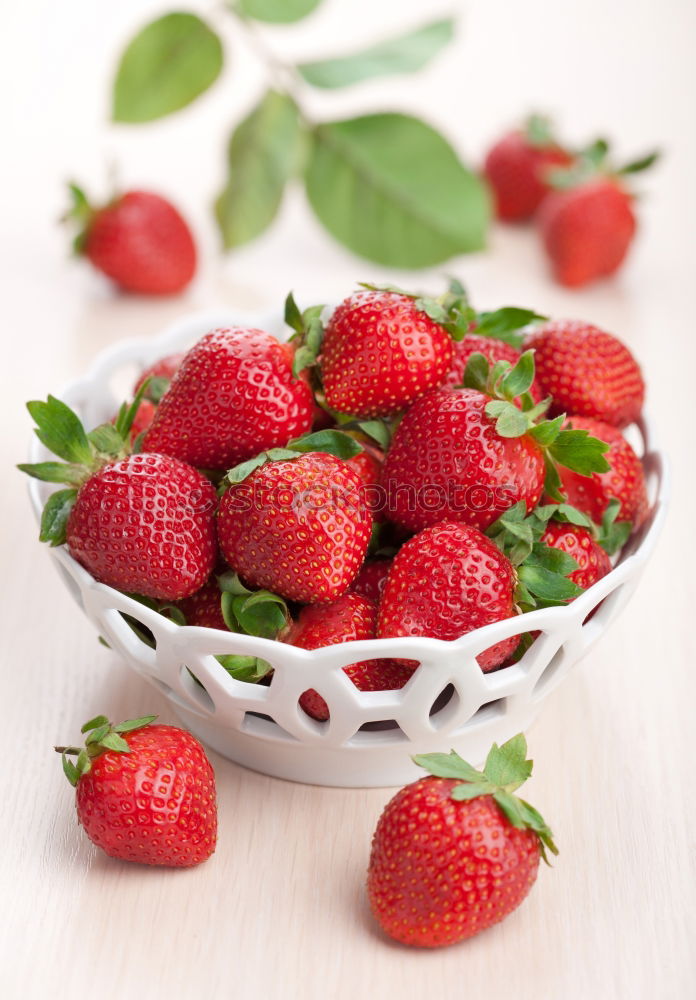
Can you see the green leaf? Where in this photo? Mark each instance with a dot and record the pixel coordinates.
(509, 421)
(60, 430)
(505, 324)
(566, 512)
(553, 559)
(643, 163)
(69, 770)
(405, 54)
(98, 734)
(169, 63)
(292, 314)
(378, 431)
(106, 439)
(228, 613)
(278, 11)
(613, 534)
(476, 372)
(448, 765)
(519, 379)
(263, 154)
(55, 515)
(245, 668)
(547, 431)
(130, 724)
(507, 765)
(392, 190)
(230, 583)
(577, 450)
(330, 441)
(129, 411)
(55, 472)
(95, 723)
(83, 763)
(242, 471)
(464, 792)
(156, 388)
(262, 614)
(510, 805)
(112, 741)
(546, 584)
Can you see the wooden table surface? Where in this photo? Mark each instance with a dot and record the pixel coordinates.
(279, 912)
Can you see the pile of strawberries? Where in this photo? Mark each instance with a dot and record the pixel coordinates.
(581, 203)
(404, 466)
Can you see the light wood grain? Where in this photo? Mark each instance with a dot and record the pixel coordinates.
(279, 912)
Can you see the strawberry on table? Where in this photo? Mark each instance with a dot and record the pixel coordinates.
(296, 521)
(138, 239)
(457, 851)
(589, 372)
(588, 223)
(141, 523)
(346, 619)
(144, 793)
(517, 168)
(233, 396)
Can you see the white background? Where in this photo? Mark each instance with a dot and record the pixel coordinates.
(279, 911)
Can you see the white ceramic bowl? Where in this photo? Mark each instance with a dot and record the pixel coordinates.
(370, 737)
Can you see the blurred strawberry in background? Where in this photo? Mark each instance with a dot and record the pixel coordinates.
(138, 240)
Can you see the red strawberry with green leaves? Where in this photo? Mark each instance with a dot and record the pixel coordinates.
(578, 542)
(588, 224)
(138, 240)
(233, 396)
(371, 579)
(144, 793)
(469, 454)
(624, 480)
(295, 521)
(589, 372)
(381, 351)
(517, 168)
(457, 851)
(348, 618)
(141, 523)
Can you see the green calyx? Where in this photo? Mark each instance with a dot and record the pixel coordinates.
(505, 770)
(80, 213)
(542, 570)
(594, 161)
(331, 442)
(308, 335)
(61, 431)
(102, 735)
(573, 449)
(613, 534)
(538, 131)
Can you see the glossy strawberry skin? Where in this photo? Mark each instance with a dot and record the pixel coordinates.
(625, 481)
(516, 169)
(593, 562)
(348, 618)
(493, 350)
(143, 244)
(166, 367)
(155, 805)
(587, 231)
(204, 608)
(588, 372)
(299, 528)
(145, 525)
(371, 579)
(368, 465)
(380, 353)
(447, 462)
(233, 396)
(441, 871)
(445, 582)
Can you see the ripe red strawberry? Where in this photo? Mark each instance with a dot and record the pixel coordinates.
(493, 350)
(233, 396)
(141, 523)
(138, 239)
(160, 373)
(587, 230)
(517, 167)
(587, 371)
(298, 527)
(445, 582)
(348, 618)
(625, 480)
(144, 793)
(142, 420)
(204, 608)
(380, 352)
(371, 579)
(593, 562)
(448, 462)
(456, 852)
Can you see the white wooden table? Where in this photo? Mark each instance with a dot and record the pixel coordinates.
(279, 911)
